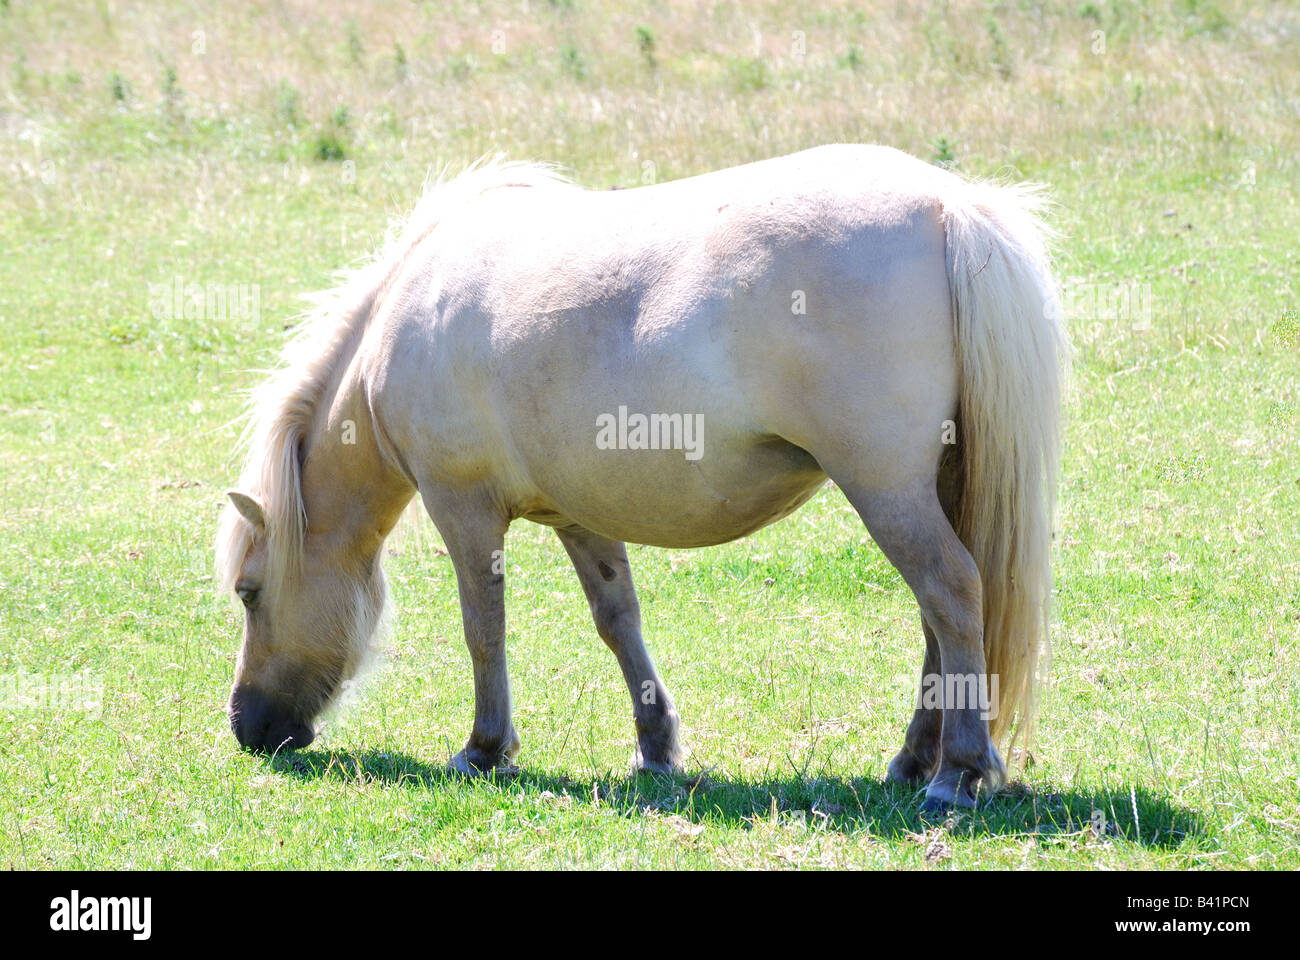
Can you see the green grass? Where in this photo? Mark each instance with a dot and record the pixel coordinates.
(1174, 701)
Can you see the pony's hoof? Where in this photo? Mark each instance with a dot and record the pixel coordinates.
(475, 765)
(662, 762)
(967, 785)
(661, 768)
(935, 805)
(906, 769)
(959, 788)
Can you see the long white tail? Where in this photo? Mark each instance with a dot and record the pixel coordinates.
(1012, 347)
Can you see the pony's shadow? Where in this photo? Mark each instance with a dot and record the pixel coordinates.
(880, 807)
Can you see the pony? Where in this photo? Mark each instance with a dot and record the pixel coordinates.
(524, 348)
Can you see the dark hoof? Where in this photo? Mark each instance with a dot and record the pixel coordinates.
(471, 766)
(906, 769)
(935, 805)
(654, 768)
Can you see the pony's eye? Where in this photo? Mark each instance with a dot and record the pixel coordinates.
(248, 595)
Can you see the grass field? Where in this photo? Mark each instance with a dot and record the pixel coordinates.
(252, 150)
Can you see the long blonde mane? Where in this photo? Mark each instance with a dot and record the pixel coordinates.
(281, 411)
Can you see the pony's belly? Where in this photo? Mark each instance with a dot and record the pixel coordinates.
(690, 506)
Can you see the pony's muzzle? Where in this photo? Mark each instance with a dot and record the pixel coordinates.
(259, 725)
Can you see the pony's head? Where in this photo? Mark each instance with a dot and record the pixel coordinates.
(310, 612)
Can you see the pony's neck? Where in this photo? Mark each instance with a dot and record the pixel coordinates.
(352, 492)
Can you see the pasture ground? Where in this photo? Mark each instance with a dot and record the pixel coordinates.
(260, 147)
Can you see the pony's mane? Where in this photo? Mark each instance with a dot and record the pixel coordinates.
(281, 411)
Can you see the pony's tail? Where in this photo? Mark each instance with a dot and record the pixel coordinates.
(1011, 348)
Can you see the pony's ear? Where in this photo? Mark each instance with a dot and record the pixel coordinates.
(249, 509)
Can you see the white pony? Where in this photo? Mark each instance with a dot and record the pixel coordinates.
(676, 365)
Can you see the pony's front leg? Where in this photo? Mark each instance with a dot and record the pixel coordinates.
(475, 537)
(606, 579)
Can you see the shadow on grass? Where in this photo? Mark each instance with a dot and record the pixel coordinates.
(881, 808)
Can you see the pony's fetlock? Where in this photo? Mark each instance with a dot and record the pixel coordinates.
(477, 759)
(910, 769)
(657, 746)
(966, 785)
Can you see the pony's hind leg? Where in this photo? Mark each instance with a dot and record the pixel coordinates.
(474, 533)
(912, 530)
(915, 764)
(606, 579)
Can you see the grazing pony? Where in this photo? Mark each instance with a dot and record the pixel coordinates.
(675, 365)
